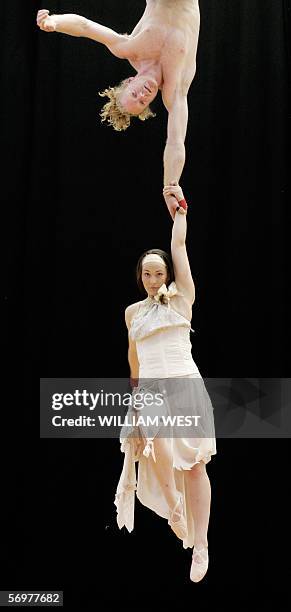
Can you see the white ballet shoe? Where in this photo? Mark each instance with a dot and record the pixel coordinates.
(177, 520)
(199, 564)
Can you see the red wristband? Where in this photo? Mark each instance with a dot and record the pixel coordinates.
(183, 204)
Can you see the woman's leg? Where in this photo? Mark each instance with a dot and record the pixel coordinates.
(200, 499)
(163, 468)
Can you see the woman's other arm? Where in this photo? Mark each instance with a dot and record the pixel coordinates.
(132, 353)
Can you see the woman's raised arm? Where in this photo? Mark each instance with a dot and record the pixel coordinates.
(182, 270)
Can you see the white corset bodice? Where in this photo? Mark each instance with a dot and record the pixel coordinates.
(163, 344)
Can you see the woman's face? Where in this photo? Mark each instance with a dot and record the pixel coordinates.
(154, 275)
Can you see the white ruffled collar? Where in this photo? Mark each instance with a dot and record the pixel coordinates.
(164, 294)
(153, 314)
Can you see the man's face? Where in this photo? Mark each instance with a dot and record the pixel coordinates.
(137, 94)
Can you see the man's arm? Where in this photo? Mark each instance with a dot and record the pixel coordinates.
(76, 25)
(174, 154)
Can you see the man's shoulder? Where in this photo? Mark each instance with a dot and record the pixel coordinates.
(121, 46)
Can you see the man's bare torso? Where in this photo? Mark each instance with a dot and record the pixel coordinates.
(167, 34)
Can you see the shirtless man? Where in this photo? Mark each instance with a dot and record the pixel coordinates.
(162, 49)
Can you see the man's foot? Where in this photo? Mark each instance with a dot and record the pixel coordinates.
(199, 564)
(177, 519)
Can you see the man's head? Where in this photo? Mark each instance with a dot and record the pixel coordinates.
(131, 98)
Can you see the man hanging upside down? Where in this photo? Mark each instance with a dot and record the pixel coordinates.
(162, 49)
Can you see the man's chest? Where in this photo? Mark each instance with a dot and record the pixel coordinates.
(171, 47)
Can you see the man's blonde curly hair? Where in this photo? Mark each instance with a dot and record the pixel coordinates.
(113, 112)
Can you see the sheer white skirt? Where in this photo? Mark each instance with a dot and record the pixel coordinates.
(138, 445)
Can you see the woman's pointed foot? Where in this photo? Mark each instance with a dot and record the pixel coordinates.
(199, 564)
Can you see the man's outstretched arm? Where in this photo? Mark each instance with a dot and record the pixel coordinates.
(76, 25)
(174, 154)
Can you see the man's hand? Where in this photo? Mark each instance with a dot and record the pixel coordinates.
(172, 195)
(175, 190)
(45, 21)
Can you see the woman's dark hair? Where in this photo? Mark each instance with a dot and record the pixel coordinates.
(168, 261)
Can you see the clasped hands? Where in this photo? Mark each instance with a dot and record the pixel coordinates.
(173, 194)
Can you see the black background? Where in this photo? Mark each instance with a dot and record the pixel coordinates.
(81, 202)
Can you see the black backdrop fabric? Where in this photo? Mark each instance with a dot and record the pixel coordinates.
(81, 203)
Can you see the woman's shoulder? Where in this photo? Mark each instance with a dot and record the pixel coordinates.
(131, 310)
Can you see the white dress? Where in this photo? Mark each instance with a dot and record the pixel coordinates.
(163, 345)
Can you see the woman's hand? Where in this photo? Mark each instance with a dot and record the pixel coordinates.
(171, 204)
(172, 195)
(45, 21)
